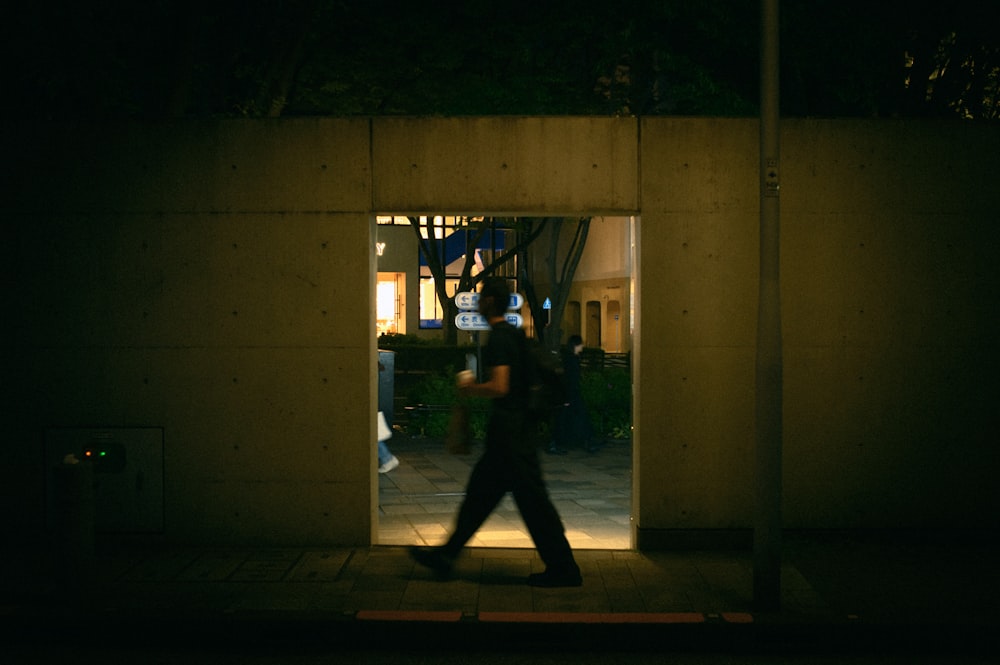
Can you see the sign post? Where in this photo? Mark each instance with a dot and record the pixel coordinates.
(476, 321)
(469, 301)
(469, 318)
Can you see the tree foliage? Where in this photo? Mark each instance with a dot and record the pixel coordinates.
(431, 251)
(163, 58)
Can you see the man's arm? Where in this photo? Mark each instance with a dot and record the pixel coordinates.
(498, 385)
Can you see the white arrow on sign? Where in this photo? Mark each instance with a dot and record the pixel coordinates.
(476, 321)
(471, 321)
(469, 300)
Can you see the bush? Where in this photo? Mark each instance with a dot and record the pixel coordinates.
(392, 341)
(423, 356)
(438, 390)
(607, 394)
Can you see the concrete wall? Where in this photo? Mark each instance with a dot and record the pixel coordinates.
(888, 228)
(216, 279)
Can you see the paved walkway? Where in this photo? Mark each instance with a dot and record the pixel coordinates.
(838, 591)
(920, 592)
(419, 499)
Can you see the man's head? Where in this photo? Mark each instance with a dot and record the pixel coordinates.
(494, 296)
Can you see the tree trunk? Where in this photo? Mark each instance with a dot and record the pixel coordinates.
(559, 273)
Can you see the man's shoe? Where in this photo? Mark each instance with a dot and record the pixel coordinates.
(555, 450)
(556, 578)
(433, 558)
(390, 465)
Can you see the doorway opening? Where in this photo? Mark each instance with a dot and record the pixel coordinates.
(591, 486)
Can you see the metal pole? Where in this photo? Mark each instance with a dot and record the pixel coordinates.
(767, 523)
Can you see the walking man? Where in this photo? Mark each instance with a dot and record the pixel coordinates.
(510, 462)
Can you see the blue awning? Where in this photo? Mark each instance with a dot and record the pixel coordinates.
(454, 245)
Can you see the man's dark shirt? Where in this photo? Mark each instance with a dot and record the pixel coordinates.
(506, 347)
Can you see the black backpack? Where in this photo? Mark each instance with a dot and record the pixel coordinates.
(546, 378)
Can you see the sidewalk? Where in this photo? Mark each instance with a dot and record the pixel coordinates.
(839, 591)
(418, 500)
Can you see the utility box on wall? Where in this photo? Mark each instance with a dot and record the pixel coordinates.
(127, 471)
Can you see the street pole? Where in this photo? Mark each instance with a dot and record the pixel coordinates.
(767, 521)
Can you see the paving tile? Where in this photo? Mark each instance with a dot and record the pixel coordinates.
(588, 490)
(503, 586)
(507, 539)
(266, 565)
(455, 594)
(591, 597)
(373, 599)
(435, 533)
(380, 582)
(399, 536)
(503, 571)
(319, 566)
(402, 508)
(500, 553)
(441, 506)
(213, 566)
(625, 600)
(581, 540)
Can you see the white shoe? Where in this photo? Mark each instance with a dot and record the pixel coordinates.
(389, 466)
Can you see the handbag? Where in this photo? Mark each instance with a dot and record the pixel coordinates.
(458, 440)
(383, 428)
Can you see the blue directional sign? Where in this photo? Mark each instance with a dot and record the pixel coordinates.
(471, 321)
(476, 321)
(469, 300)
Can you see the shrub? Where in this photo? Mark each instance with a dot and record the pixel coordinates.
(423, 356)
(607, 394)
(438, 390)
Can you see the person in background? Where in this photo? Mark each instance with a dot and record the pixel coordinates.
(574, 428)
(386, 460)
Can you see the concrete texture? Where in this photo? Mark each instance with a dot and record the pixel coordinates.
(215, 278)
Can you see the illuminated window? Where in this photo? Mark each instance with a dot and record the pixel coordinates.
(431, 314)
(390, 294)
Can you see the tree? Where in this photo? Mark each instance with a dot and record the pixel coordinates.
(560, 267)
(560, 264)
(856, 58)
(424, 229)
(159, 58)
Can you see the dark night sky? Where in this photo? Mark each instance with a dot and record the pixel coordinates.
(113, 58)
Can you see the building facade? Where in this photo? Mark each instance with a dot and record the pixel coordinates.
(202, 294)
